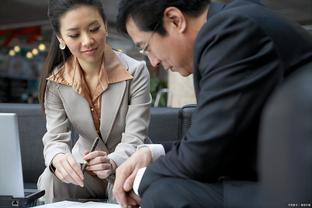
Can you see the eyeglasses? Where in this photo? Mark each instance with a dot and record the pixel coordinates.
(144, 51)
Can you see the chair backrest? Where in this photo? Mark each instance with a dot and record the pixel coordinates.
(185, 119)
(170, 124)
(286, 143)
(164, 124)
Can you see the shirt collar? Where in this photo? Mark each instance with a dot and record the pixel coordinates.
(71, 74)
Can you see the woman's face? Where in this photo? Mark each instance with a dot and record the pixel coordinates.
(83, 31)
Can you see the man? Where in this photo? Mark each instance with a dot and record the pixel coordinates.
(238, 52)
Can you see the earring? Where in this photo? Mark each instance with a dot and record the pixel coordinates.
(62, 46)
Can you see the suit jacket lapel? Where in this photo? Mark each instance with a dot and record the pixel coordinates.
(78, 110)
(111, 100)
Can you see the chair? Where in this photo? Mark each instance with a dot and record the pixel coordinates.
(170, 124)
(185, 119)
(163, 125)
(286, 144)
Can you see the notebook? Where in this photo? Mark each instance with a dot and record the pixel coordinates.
(11, 172)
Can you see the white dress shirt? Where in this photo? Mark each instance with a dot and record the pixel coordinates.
(157, 150)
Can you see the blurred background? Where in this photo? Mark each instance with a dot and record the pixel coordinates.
(25, 35)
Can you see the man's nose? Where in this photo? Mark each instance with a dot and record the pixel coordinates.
(153, 60)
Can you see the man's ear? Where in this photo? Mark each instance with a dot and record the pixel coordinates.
(174, 19)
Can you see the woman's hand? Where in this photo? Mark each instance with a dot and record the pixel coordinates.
(67, 169)
(99, 164)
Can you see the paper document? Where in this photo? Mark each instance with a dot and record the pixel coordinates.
(72, 204)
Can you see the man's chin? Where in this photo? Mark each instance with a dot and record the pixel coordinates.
(172, 69)
(185, 73)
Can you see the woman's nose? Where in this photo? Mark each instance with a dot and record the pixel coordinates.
(87, 40)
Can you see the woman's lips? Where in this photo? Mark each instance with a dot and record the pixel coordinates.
(89, 51)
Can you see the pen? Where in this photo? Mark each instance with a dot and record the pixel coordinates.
(96, 141)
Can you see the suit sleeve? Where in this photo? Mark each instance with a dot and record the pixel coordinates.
(57, 139)
(235, 69)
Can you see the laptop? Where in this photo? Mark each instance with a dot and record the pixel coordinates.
(12, 193)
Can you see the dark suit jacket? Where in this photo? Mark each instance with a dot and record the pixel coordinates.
(241, 54)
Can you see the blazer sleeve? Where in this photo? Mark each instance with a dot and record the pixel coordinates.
(137, 117)
(235, 68)
(57, 139)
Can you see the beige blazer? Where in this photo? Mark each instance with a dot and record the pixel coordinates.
(124, 116)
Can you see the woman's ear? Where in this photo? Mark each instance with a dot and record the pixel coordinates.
(173, 17)
(59, 39)
(62, 44)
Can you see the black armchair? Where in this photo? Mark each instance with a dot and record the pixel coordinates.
(286, 144)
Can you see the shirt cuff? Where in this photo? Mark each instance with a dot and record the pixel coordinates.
(157, 150)
(137, 180)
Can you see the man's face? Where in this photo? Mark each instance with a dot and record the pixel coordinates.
(172, 51)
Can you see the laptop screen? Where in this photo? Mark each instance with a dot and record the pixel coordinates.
(11, 175)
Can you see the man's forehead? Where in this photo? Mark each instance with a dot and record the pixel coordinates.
(135, 33)
(131, 25)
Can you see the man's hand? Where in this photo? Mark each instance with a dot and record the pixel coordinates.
(67, 169)
(125, 175)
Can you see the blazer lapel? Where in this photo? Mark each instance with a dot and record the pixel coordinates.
(111, 100)
(78, 110)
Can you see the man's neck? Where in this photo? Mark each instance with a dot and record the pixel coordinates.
(197, 23)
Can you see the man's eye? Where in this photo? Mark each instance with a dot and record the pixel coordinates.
(147, 49)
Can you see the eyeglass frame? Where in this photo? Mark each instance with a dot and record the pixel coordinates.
(144, 51)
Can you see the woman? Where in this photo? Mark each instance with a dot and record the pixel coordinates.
(96, 91)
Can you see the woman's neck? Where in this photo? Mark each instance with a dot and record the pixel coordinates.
(91, 72)
(90, 69)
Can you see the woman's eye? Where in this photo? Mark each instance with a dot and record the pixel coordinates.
(73, 36)
(94, 29)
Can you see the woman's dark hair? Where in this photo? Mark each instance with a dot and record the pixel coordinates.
(56, 57)
(148, 14)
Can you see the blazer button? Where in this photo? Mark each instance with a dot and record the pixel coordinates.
(92, 109)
